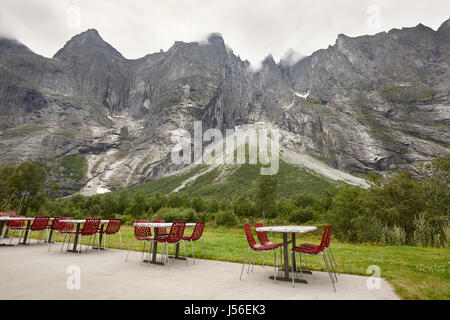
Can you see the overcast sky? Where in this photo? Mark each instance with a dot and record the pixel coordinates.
(252, 28)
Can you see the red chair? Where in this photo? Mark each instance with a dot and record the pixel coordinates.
(255, 247)
(162, 231)
(112, 227)
(319, 249)
(264, 240)
(90, 228)
(174, 237)
(40, 224)
(18, 225)
(141, 234)
(327, 249)
(66, 227)
(196, 235)
(53, 227)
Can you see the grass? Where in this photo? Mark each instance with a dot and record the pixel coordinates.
(164, 185)
(415, 273)
(22, 131)
(292, 179)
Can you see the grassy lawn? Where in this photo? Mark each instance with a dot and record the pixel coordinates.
(415, 273)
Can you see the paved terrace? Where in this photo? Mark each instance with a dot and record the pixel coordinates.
(31, 272)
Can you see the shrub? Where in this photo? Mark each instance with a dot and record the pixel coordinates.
(394, 236)
(301, 215)
(226, 218)
(189, 215)
(169, 214)
(422, 236)
(126, 218)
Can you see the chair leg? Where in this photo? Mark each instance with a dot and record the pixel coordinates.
(68, 241)
(328, 269)
(150, 245)
(79, 244)
(185, 256)
(253, 253)
(143, 249)
(204, 248)
(192, 248)
(167, 255)
(275, 264)
(331, 264)
(243, 264)
(129, 247)
(301, 267)
(120, 241)
(332, 256)
(264, 257)
(293, 281)
(306, 263)
(64, 240)
(254, 262)
(20, 236)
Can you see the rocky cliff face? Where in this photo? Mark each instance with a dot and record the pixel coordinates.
(367, 103)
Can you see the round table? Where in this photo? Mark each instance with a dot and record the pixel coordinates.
(285, 230)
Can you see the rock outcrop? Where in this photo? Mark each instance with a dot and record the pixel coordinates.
(378, 102)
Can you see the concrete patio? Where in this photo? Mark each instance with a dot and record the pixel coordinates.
(31, 272)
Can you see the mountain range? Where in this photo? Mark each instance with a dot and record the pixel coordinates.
(369, 103)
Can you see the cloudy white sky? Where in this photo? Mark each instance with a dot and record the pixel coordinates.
(252, 28)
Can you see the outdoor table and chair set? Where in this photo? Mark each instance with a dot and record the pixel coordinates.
(265, 245)
(90, 228)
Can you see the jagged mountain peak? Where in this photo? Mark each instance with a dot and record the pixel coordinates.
(445, 27)
(354, 104)
(13, 46)
(87, 42)
(216, 38)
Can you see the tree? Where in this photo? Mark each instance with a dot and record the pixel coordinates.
(28, 180)
(109, 206)
(122, 201)
(138, 204)
(266, 192)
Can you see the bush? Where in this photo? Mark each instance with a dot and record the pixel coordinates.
(169, 214)
(226, 218)
(422, 232)
(395, 236)
(126, 219)
(189, 215)
(301, 215)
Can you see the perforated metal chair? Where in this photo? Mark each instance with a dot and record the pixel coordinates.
(90, 228)
(264, 240)
(64, 227)
(315, 250)
(174, 237)
(255, 247)
(112, 227)
(195, 236)
(141, 234)
(53, 227)
(40, 224)
(327, 250)
(162, 231)
(15, 225)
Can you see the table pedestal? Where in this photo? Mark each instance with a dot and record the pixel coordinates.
(287, 268)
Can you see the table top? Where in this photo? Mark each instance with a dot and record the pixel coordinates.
(18, 218)
(287, 229)
(158, 224)
(83, 221)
